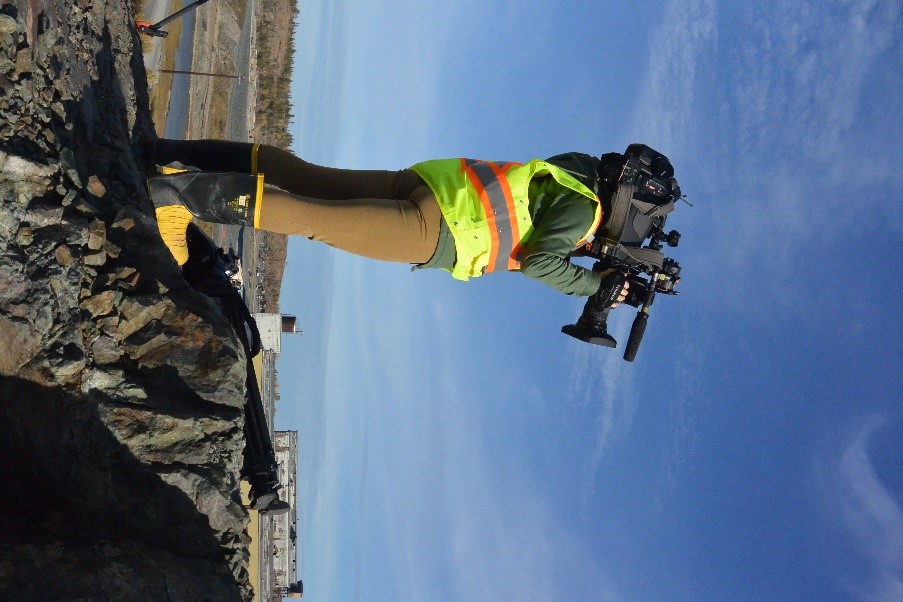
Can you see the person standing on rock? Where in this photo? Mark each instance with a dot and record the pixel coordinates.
(464, 216)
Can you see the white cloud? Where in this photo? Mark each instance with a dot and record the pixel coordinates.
(762, 110)
(684, 400)
(390, 71)
(435, 500)
(509, 544)
(611, 404)
(872, 516)
(802, 82)
(668, 103)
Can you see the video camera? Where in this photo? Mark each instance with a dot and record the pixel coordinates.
(638, 191)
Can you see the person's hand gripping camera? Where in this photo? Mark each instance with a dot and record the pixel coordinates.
(613, 290)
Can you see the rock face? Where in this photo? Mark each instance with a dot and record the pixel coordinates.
(121, 388)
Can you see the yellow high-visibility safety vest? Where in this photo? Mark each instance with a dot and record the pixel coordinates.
(486, 206)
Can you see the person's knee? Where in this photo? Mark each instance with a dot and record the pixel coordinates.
(408, 185)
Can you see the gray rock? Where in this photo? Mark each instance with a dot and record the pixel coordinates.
(7, 24)
(121, 389)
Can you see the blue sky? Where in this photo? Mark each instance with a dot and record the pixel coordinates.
(456, 446)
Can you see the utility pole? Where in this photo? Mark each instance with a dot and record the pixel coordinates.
(181, 72)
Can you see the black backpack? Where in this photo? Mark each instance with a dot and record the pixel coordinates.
(207, 272)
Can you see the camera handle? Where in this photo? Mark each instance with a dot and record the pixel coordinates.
(638, 328)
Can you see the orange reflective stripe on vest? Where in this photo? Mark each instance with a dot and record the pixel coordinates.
(488, 179)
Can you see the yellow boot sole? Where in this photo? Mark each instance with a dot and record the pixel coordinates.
(172, 221)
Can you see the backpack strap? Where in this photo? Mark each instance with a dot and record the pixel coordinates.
(205, 271)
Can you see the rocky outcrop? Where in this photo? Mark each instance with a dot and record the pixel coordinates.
(121, 388)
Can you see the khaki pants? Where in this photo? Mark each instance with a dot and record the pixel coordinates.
(386, 215)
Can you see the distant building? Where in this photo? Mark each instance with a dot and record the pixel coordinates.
(272, 326)
(273, 550)
(285, 525)
(296, 590)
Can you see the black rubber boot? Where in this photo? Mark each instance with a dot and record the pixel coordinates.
(205, 155)
(223, 198)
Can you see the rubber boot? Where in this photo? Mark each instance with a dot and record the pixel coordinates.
(222, 198)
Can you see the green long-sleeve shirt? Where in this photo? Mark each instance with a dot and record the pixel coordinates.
(561, 217)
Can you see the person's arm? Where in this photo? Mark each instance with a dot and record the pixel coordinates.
(556, 231)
